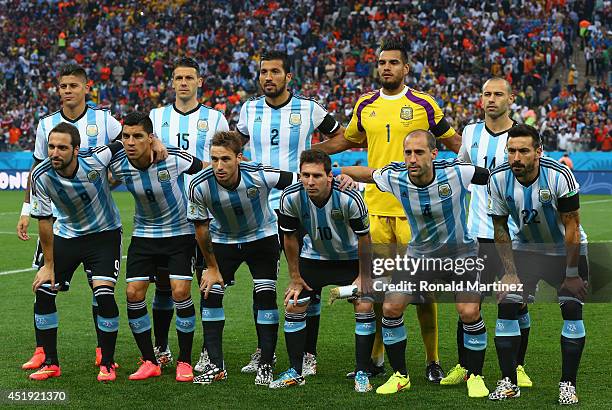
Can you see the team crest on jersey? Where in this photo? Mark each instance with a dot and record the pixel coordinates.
(202, 125)
(545, 196)
(252, 192)
(406, 113)
(91, 130)
(93, 175)
(163, 175)
(337, 215)
(295, 118)
(365, 221)
(444, 190)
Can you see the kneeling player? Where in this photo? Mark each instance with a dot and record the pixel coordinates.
(336, 251)
(244, 229)
(162, 236)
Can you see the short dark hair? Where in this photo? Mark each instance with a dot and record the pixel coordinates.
(431, 139)
(391, 43)
(316, 156)
(187, 62)
(276, 55)
(524, 130)
(65, 128)
(228, 139)
(73, 69)
(139, 118)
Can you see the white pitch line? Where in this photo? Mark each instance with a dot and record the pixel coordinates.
(597, 201)
(15, 233)
(8, 272)
(9, 213)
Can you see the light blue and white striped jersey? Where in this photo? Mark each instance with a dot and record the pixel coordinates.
(278, 135)
(83, 201)
(484, 148)
(437, 212)
(159, 193)
(534, 208)
(242, 214)
(332, 229)
(96, 127)
(191, 131)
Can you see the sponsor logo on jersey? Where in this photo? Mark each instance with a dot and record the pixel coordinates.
(295, 118)
(373, 114)
(252, 192)
(509, 199)
(444, 190)
(475, 145)
(202, 125)
(91, 130)
(165, 124)
(35, 205)
(93, 175)
(545, 196)
(257, 119)
(406, 113)
(163, 175)
(337, 215)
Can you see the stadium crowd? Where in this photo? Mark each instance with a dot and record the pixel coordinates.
(128, 49)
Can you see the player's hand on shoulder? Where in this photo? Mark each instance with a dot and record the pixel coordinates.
(158, 150)
(346, 182)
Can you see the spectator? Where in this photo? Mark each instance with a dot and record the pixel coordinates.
(566, 160)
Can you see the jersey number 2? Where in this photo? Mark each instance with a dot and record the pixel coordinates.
(273, 136)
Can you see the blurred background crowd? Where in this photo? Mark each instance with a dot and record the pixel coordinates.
(556, 54)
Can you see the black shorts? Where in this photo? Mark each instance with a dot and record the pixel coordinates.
(532, 267)
(320, 273)
(262, 256)
(148, 255)
(100, 254)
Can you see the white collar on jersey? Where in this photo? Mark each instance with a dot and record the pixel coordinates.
(396, 96)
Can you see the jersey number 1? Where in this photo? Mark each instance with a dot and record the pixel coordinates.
(388, 126)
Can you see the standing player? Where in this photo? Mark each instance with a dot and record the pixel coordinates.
(277, 127)
(243, 229)
(96, 127)
(162, 236)
(87, 230)
(189, 125)
(433, 196)
(382, 119)
(484, 144)
(541, 196)
(336, 251)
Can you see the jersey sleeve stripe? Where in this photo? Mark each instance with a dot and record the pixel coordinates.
(425, 104)
(362, 105)
(567, 174)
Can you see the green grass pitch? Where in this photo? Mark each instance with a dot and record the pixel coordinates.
(335, 350)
